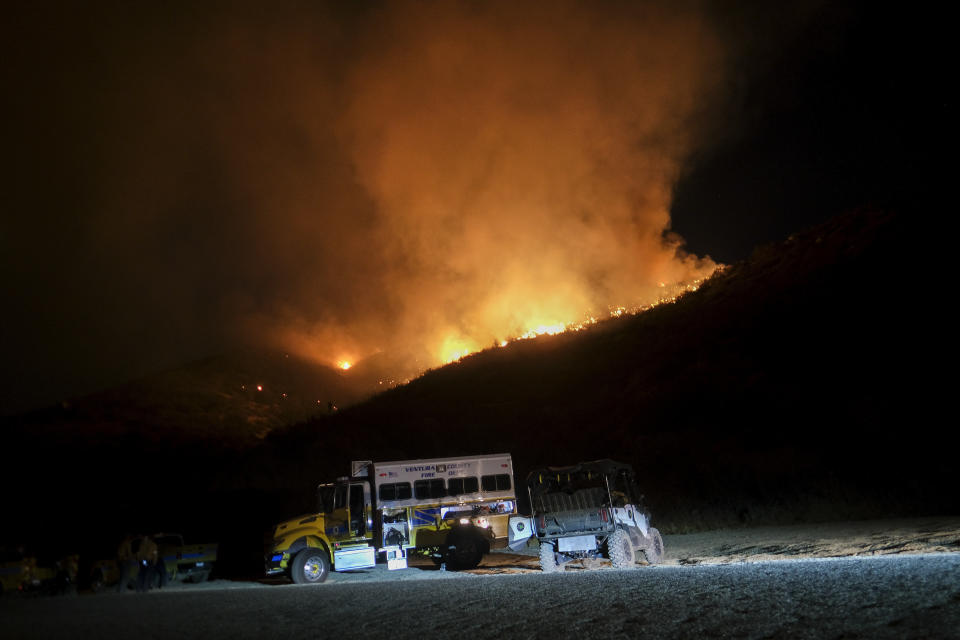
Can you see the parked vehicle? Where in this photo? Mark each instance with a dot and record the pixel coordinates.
(451, 509)
(185, 562)
(588, 510)
(181, 562)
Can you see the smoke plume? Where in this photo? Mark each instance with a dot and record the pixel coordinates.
(521, 161)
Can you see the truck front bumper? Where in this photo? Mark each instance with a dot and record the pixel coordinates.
(276, 563)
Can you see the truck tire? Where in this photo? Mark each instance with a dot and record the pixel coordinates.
(620, 550)
(548, 558)
(464, 551)
(310, 566)
(654, 549)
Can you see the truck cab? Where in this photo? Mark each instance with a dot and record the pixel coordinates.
(338, 536)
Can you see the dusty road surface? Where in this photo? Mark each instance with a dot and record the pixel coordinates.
(874, 591)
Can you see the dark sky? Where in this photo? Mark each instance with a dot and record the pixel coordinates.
(336, 179)
(850, 110)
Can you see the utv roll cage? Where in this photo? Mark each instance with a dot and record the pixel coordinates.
(587, 484)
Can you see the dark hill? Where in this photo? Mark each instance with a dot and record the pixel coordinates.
(231, 400)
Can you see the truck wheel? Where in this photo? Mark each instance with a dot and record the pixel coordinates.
(463, 551)
(548, 558)
(620, 549)
(310, 566)
(654, 548)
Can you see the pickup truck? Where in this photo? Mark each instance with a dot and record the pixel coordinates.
(185, 562)
(181, 562)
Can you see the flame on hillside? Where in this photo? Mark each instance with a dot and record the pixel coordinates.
(455, 349)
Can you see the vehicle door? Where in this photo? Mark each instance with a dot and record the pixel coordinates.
(336, 523)
(359, 514)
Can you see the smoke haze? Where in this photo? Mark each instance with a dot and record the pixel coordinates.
(521, 162)
(426, 178)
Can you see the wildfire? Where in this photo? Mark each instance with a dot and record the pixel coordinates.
(458, 346)
(544, 330)
(455, 349)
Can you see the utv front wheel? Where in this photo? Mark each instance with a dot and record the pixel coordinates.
(310, 566)
(548, 558)
(654, 549)
(620, 550)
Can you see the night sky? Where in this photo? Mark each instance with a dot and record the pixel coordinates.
(338, 179)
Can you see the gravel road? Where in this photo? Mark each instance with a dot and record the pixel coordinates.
(886, 596)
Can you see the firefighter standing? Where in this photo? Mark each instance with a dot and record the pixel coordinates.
(126, 561)
(147, 557)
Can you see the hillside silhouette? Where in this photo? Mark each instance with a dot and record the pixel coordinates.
(792, 386)
(232, 400)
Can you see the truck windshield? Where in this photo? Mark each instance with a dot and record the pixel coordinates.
(325, 498)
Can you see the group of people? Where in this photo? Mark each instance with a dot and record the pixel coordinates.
(138, 558)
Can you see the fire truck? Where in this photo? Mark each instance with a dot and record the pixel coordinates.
(453, 510)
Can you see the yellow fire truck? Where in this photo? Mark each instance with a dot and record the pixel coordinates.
(452, 509)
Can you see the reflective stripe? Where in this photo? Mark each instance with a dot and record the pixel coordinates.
(425, 517)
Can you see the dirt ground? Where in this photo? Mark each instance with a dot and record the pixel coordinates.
(759, 544)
